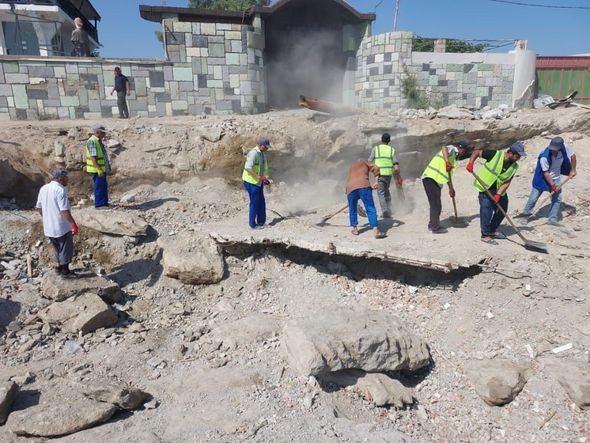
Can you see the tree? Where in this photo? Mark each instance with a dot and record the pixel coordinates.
(421, 44)
(227, 5)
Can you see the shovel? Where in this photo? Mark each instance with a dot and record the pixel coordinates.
(456, 221)
(528, 244)
(323, 221)
(546, 199)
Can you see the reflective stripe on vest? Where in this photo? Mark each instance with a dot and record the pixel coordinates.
(493, 173)
(249, 178)
(99, 155)
(437, 168)
(384, 159)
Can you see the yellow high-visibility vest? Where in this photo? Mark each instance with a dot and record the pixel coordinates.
(437, 168)
(491, 173)
(260, 158)
(99, 156)
(384, 159)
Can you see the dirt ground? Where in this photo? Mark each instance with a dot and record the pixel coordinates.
(466, 299)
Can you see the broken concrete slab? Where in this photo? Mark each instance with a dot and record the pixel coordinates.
(574, 377)
(379, 388)
(497, 381)
(352, 339)
(8, 392)
(121, 396)
(193, 258)
(85, 313)
(58, 289)
(252, 329)
(455, 112)
(59, 415)
(112, 222)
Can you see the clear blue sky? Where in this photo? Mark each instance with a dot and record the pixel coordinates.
(124, 33)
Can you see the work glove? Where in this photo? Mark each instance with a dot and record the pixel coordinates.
(469, 167)
(75, 229)
(554, 188)
(449, 166)
(497, 198)
(451, 193)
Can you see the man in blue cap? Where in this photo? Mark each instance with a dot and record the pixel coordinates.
(556, 160)
(496, 176)
(255, 177)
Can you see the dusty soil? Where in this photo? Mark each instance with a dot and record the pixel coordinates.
(498, 301)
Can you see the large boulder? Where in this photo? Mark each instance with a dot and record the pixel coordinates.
(109, 221)
(455, 112)
(344, 338)
(8, 391)
(193, 258)
(59, 415)
(121, 396)
(574, 377)
(86, 313)
(58, 289)
(497, 381)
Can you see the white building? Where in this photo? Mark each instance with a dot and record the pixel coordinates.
(44, 27)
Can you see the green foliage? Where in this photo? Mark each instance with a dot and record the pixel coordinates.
(416, 98)
(159, 36)
(421, 44)
(227, 5)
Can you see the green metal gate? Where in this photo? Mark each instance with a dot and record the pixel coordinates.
(559, 76)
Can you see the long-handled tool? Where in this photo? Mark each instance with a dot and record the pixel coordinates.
(456, 220)
(546, 199)
(528, 244)
(328, 217)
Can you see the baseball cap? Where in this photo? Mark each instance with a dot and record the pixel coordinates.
(556, 144)
(517, 148)
(386, 138)
(462, 145)
(59, 172)
(264, 141)
(99, 128)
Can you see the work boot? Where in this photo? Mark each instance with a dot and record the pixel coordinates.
(387, 215)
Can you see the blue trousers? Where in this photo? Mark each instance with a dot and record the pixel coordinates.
(101, 190)
(366, 195)
(257, 215)
(490, 216)
(555, 208)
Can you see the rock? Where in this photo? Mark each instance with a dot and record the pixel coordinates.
(59, 415)
(497, 381)
(247, 330)
(112, 222)
(8, 391)
(59, 148)
(112, 143)
(492, 114)
(123, 397)
(193, 258)
(455, 112)
(211, 134)
(59, 289)
(381, 389)
(85, 313)
(352, 339)
(574, 377)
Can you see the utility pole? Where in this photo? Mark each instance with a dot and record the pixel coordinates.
(396, 15)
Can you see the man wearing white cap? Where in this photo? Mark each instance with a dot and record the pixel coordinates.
(255, 177)
(58, 224)
(97, 164)
(556, 160)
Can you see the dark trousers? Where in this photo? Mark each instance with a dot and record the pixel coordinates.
(433, 191)
(64, 248)
(366, 195)
(122, 104)
(257, 216)
(383, 185)
(101, 190)
(490, 216)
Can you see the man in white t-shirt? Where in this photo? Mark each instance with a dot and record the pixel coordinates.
(556, 160)
(58, 224)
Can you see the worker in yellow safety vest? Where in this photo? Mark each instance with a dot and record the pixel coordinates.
(255, 177)
(384, 156)
(97, 164)
(437, 174)
(496, 174)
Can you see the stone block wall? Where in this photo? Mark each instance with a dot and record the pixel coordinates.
(220, 62)
(380, 61)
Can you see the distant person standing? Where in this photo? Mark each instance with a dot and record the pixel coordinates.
(255, 178)
(123, 90)
(58, 224)
(97, 164)
(383, 155)
(80, 40)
